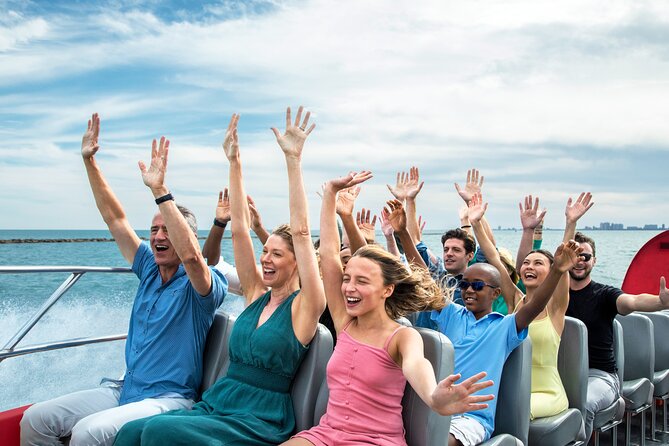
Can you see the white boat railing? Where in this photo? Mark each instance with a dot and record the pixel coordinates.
(76, 272)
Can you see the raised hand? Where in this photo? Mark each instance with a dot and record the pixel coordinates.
(256, 221)
(397, 217)
(407, 184)
(473, 185)
(89, 143)
(223, 206)
(231, 140)
(346, 200)
(348, 181)
(386, 227)
(530, 216)
(154, 176)
(366, 226)
(567, 255)
(292, 141)
(449, 398)
(476, 208)
(576, 210)
(421, 226)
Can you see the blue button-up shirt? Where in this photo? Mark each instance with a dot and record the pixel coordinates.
(168, 328)
(480, 346)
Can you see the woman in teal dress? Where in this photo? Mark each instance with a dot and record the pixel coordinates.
(252, 404)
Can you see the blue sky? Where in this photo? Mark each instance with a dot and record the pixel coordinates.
(548, 98)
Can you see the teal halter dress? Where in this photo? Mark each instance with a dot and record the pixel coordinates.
(251, 405)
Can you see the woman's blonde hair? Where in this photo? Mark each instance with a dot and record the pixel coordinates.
(283, 231)
(507, 259)
(414, 289)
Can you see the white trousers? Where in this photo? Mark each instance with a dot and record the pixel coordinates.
(91, 417)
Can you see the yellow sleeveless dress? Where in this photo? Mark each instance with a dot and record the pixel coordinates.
(548, 395)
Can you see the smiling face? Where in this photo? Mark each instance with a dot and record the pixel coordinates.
(278, 262)
(456, 256)
(534, 269)
(162, 248)
(480, 302)
(363, 287)
(582, 269)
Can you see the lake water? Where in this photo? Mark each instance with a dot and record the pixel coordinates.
(100, 304)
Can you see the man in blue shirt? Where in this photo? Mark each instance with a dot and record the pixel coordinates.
(483, 339)
(171, 315)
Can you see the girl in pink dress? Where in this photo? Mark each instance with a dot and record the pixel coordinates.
(375, 356)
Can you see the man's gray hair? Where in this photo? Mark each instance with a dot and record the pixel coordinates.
(189, 216)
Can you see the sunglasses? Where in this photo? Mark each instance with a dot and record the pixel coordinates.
(585, 256)
(476, 286)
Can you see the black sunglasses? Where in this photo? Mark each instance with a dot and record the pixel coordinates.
(585, 256)
(476, 286)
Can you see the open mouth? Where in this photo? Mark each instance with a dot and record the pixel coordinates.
(529, 276)
(161, 248)
(351, 301)
(268, 273)
(469, 299)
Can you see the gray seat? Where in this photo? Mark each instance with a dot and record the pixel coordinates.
(567, 427)
(423, 426)
(639, 370)
(309, 377)
(311, 373)
(216, 358)
(512, 418)
(660, 321)
(613, 415)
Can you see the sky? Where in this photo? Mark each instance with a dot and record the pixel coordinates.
(543, 97)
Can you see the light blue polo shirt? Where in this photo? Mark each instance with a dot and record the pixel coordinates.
(168, 328)
(480, 346)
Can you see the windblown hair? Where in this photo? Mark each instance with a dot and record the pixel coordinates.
(283, 231)
(470, 243)
(582, 238)
(507, 259)
(544, 253)
(189, 216)
(414, 290)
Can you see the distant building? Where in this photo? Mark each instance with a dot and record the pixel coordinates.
(651, 227)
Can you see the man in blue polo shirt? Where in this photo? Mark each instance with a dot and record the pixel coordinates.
(171, 315)
(483, 339)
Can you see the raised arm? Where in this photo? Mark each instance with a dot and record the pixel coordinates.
(212, 245)
(445, 398)
(345, 202)
(110, 208)
(573, 212)
(473, 186)
(406, 189)
(566, 257)
(256, 221)
(477, 210)
(398, 220)
(245, 259)
(182, 237)
(530, 218)
(388, 233)
(310, 302)
(331, 267)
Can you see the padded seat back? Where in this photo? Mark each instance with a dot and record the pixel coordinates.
(513, 404)
(660, 321)
(619, 351)
(310, 375)
(639, 346)
(573, 362)
(216, 355)
(423, 426)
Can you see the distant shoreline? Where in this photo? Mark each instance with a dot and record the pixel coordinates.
(61, 240)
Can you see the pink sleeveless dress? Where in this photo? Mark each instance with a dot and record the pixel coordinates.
(365, 403)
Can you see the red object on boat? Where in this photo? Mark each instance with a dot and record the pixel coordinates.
(648, 265)
(9, 425)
